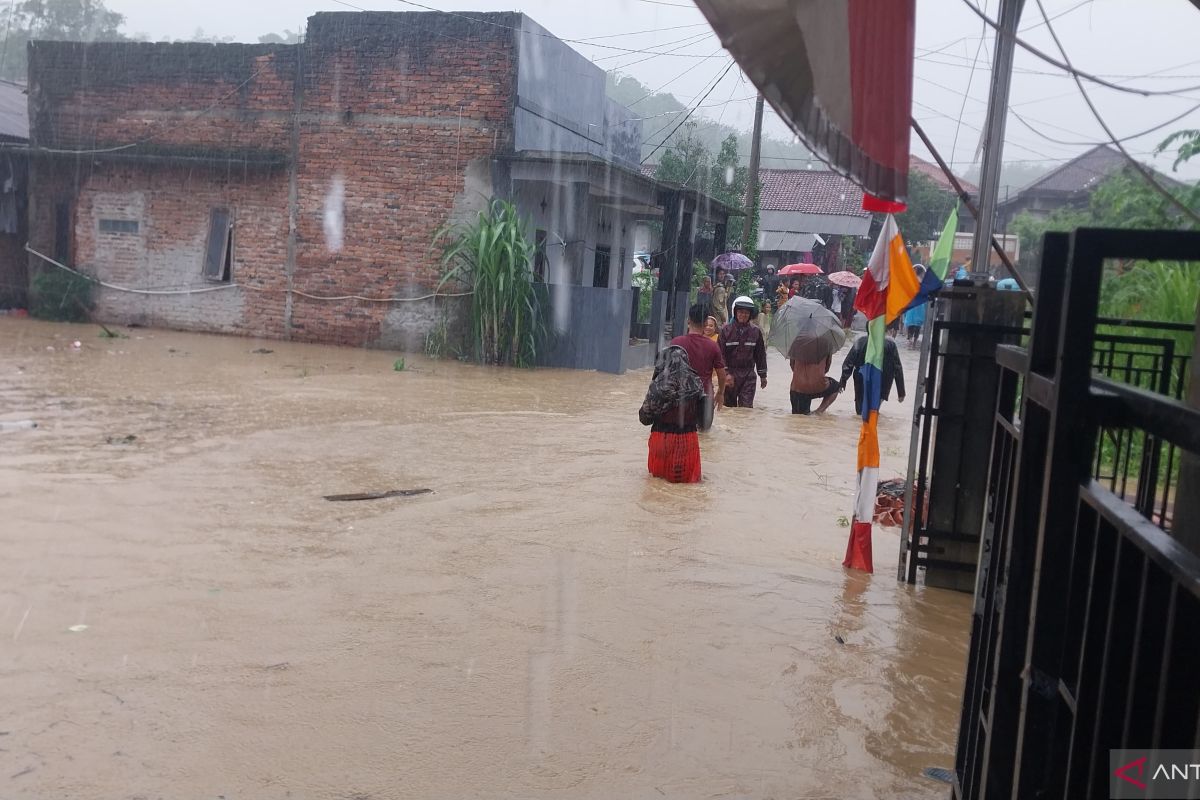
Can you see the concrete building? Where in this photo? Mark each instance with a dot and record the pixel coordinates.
(14, 139)
(294, 191)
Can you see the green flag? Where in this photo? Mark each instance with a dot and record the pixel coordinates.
(939, 259)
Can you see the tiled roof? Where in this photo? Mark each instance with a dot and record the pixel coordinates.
(810, 192)
(935, 174)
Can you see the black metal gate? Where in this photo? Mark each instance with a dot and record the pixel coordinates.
(1084, 636)
(1126, 462)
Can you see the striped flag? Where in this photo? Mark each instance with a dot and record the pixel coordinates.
(890, 286)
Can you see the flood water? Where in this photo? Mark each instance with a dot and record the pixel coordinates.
(549, 622)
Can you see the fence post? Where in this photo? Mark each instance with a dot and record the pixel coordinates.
(1184, 525)
(966, 408)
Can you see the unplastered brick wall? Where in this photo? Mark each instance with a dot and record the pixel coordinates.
(397, 107)
(172, 209)
(392, 113)
(190, 96)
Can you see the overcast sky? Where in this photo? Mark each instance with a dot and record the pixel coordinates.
(1117, 39)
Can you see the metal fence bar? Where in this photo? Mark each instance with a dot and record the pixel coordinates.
(1083, 601)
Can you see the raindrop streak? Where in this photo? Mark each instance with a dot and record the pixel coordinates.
(21, 624)
(334, 217)
(729, 176)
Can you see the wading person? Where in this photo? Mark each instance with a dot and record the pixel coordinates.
(893, 371)
(810, 383)
(705, 357)
(745, 352)
(672, 408)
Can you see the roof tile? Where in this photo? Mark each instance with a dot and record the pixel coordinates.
(810, 192)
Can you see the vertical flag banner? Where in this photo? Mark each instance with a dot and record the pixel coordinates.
(890, 286)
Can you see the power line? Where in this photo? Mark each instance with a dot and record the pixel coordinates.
(1125, 138)
(653, 92)
(547, 34)
(687, 42)
(710, 105)
(685, 119)
(648, 30)
(970, 79)
(672, 5)
(1066, 67)
(1137, 165)
(1025, 71)
(1026, 29)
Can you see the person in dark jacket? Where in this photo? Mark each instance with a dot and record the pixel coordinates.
(745, 351)
(893, 370)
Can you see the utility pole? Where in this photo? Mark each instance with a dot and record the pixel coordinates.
(993, 142)
(752, 183)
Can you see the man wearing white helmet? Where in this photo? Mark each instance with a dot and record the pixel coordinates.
(745, 353)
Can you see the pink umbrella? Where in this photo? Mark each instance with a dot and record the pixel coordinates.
(845, 279)
(801, 269)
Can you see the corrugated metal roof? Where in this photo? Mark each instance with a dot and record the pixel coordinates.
(810, 192)
(771, 241)
(14, 111)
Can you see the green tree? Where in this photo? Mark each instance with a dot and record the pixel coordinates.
(662, 111)
(287, 37)
(750, 248)
(688, 164)
(928, 207)
(60, 20)
(727, 181)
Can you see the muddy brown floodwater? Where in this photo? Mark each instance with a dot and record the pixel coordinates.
(549, 622)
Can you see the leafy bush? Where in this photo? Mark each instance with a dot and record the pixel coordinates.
(492, 255)
(59, 295)
(644, 280)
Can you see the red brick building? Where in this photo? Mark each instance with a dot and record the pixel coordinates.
(237, 188)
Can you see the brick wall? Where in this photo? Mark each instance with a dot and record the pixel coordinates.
(392, 113)
(396, 107)
(172, 207)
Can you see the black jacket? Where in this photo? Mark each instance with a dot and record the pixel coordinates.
(893, 370)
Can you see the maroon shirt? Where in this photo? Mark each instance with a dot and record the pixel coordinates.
(703, 354)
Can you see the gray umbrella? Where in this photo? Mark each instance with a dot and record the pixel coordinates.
(806, 331)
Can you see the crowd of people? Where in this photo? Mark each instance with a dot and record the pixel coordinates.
(773, 290)
(717, 364)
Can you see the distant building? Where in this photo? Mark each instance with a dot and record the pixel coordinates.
(803, 212)
(1067, 186)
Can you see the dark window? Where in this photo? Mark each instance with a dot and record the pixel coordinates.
(539, 256)
(600, 270)
(218, 256)
(118, 226)
(62, 232)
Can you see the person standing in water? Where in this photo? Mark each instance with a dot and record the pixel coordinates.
(745, 352)
(893, 371)
(705, 358)
(673, 407)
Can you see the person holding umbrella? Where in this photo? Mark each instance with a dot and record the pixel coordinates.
(809, 334)
(745, 354)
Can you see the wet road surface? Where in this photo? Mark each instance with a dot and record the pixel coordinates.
(548, 622)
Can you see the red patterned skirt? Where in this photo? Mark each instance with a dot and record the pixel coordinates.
(674, 457)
